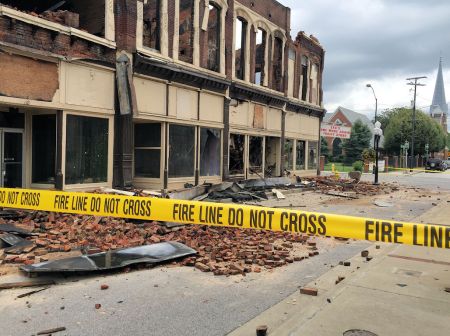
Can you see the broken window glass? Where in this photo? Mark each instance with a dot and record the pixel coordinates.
(147, 150)
(186, 31)
(300, 160)
(214, 25)
(86, 149)
(181, 151)
(240, 46)
(260, 56)
(210, 141)
(152, 24)
(272, 155)
(304, 83)
(289, 154)
(237, 149)
(256, 154)
(43, 149)
(277, 70)
(313, 152)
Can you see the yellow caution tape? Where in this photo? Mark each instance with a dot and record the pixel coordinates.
(421, 170)
(228, 215)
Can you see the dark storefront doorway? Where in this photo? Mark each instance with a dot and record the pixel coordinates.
(11, 158)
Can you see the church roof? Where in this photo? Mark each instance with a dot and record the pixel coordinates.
(439, 104)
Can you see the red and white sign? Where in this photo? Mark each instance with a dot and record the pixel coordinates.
(335, 131)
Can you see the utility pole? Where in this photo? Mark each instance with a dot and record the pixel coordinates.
(414, 82)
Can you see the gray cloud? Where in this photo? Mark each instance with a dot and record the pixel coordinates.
(374, 39)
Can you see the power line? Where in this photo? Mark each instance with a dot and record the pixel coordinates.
(414, 82)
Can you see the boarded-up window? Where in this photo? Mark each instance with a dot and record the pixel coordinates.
(214, 24)
(258, 116)
(152, 24)
(260, 56)
(240, 46)
(186, 31)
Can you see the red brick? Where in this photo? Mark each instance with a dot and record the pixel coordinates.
(309, 291)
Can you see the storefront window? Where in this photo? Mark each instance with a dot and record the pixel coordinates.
(86, 150)
(43, 149)
(181, 151)
(210, 141)
(256, 155)
(313, 152)
(300, 160)
(147, 150)
(237, 146)
(289, 154)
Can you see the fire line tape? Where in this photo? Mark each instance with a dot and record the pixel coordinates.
(228, 215)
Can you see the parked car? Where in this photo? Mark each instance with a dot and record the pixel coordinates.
(436, 164)
(447, 162)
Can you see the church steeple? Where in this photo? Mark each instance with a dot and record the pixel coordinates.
(439, 107)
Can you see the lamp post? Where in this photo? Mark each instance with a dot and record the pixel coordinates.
(378, 133)
(376, 104)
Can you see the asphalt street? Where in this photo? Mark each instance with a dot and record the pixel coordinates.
(181, 300)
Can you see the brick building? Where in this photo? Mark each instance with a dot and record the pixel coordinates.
(345, 117)
(155, 93)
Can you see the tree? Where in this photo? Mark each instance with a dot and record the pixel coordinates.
(386, 116)
(399, 130)
(324, 148)
(359, 140)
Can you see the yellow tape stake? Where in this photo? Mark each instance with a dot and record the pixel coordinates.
(228, 215)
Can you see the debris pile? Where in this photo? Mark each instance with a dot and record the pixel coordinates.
(223, 251)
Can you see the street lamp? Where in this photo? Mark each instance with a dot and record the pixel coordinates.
(376, 100)
(378, 133)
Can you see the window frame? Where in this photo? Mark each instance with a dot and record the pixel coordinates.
(110, 154)
(161, 148)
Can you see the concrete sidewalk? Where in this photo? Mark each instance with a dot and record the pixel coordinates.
(401, 291)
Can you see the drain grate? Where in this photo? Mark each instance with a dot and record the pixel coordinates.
(358, 332)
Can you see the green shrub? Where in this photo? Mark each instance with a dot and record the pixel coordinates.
(358, 166)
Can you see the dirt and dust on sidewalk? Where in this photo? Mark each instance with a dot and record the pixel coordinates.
(387, 290)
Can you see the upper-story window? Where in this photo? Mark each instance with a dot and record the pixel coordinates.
(260, 56)
(214, 41)
(315, 84)
(304, 78)
(94, 17)
(277, 65)
(152, 24)
(240, 47)
(186, 31)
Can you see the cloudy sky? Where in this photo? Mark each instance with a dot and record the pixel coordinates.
(381, 42)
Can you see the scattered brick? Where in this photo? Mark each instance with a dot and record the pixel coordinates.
(104, 287)
(309, 291)
(364, 253)
(98, 306)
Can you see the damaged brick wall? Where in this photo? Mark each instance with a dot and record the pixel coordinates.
(19, 33)
(27, 78)
(186, 31)
(92, 15)
(311, 48)
(271, 10)
(125, 12)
